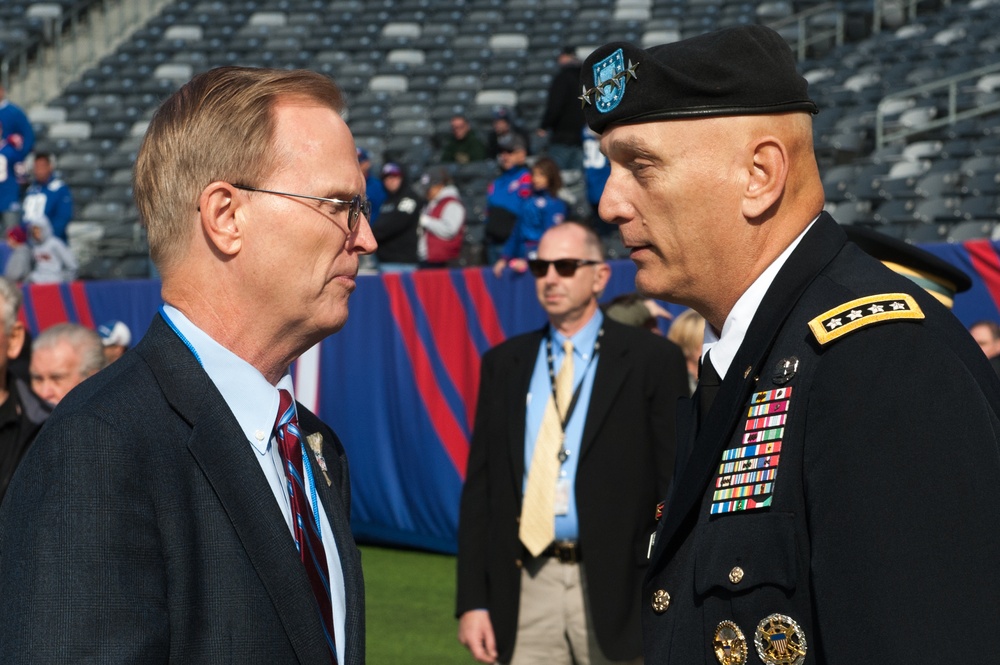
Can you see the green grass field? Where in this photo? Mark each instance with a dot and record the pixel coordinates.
(410, 602)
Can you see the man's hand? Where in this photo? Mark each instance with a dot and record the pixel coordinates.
(475, 631)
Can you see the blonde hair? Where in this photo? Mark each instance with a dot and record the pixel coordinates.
(218, 126)
(688, 332)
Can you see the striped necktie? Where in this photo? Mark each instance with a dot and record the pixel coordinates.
(537, 527)
(305, 524)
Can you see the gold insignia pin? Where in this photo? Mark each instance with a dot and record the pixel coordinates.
(729, 644)
(780, 641)
(315, 442)
(661, 601)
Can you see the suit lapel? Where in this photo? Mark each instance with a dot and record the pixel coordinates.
(335, 498)
(222, 452)
(522, 366)
(608, 378)
(815, 251)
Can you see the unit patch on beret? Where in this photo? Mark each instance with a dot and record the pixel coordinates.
(610, 77)
(855, 314)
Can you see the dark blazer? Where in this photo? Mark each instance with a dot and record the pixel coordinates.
(880, 541)
(139, 528)
(626, 461)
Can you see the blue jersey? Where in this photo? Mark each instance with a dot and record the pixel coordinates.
(52, 201)
(539, 213)
(10, 190)
(14, 121)
(375, 191)
(596, 167)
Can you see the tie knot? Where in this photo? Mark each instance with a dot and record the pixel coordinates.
(286, 410)
(568, 348)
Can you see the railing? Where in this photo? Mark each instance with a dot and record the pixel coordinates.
(906, 10)
(809, 35)
(67, 46)
(951, 83)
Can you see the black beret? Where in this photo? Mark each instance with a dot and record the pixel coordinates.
(935, 275)
(746, 70)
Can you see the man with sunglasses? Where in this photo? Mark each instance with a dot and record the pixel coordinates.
(182, 506)
(831, 502)
(571, 448)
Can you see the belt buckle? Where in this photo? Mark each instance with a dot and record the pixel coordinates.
(565, 551)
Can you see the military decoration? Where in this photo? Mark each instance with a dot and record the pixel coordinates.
(746, 474)
(850, 316)
(729, 644)
(780, 641)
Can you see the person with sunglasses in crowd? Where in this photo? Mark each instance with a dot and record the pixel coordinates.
(542, 210)
(551, 556)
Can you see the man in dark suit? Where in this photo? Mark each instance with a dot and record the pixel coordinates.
(568, 594)
(180, 507)
(833, 504)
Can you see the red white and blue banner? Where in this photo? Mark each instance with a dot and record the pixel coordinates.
(398, 383)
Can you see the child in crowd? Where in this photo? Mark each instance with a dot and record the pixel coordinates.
(52, 258)
(539, 212)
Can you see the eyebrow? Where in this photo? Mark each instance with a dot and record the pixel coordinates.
(630, 147)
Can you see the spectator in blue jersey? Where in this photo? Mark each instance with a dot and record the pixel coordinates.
(596, 170)
(505, 195)
(373, 185)
(48, 197)
(18, 140)
(539, 213)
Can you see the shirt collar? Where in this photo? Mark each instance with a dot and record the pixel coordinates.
(584, 338)
(251, 398)
(734, 330)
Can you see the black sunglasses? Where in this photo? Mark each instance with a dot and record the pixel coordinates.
(564, 267)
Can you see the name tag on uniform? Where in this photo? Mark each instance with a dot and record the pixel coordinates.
(562, 496)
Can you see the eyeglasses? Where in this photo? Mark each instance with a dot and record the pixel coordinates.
(359, 206)
(564, 267)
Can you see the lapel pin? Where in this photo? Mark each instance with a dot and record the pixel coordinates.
(315, 442)
(729, 644)
(785, 370)
(780, 641)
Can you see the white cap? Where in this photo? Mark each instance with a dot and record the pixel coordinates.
(114, 333)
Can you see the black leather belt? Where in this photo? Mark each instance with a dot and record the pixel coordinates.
(566, 551)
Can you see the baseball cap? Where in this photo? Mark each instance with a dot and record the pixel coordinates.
(114, 333)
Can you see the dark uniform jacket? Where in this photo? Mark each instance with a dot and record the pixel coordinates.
(840, 496)
(140, 529)
(626, 461)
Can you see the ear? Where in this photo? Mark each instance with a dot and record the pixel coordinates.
(768, 174)
(602, 273)
(15, 340)
(221, 224)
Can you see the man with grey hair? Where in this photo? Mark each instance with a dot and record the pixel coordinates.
(62, 357)
(186, 507)
(21, 411)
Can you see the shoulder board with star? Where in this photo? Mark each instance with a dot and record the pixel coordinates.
(859, 313)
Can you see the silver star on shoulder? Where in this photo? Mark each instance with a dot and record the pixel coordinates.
(875, 309)
(897, 306)
(834, 323)
(854, 314)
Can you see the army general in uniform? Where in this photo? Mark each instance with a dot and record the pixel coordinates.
(835, 502)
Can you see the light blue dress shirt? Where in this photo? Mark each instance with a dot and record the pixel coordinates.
(539, 393)
(254, 403)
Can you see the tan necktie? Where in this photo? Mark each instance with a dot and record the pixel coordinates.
(538, 529)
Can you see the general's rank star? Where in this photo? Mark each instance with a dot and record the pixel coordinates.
(875, 309)
(834, 323)
(897, 306)
(854, 314)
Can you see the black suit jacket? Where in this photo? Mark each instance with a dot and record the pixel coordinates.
(879, 541)
(139, 528)
(626, 461)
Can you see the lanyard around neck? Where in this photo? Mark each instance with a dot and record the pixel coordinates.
(550, 360)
